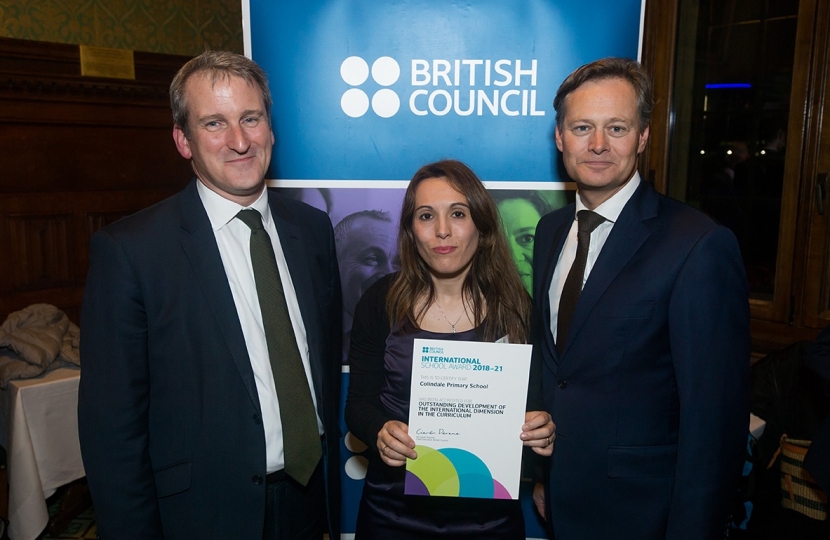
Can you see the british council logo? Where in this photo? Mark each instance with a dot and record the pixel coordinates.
(355, 71)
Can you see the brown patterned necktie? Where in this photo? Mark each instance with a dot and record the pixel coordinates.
(301, 439)
(587, 222)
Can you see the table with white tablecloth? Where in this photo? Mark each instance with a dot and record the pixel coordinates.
(39, 429)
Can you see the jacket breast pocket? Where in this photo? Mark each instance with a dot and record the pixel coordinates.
(172, 480)
(642, 461)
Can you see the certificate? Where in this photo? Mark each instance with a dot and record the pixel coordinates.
(466, 413)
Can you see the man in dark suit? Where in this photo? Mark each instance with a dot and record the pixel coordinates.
(645, 347)
(185, 429)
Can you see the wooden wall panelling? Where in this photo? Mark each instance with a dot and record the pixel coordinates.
(659, 44)
(47, 240)
(42, 243)
(814, 307)
(76, 154)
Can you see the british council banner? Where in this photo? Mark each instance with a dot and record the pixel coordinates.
(367, 91)
(374, 89)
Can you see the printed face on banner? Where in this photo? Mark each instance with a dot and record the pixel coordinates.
(520, 218)
(601, 138)
(230, 136)
(366, 251)
(445, 234)
(520, 211)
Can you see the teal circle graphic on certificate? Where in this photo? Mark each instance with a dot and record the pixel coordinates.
(473, 475)
(451, 472)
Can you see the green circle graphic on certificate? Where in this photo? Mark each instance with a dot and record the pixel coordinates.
(453, 472)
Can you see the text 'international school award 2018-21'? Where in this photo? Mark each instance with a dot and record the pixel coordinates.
(466, 412)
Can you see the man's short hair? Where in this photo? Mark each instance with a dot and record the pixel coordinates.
(608, 68)
(341, 231)
(217, 65)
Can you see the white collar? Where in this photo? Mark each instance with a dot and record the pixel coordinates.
(221, 211)
(611, 208)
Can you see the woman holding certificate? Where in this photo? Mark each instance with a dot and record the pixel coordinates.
(457, 281)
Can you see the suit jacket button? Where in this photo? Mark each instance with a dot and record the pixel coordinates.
(562, 383)
(257, 480)
(257, 419)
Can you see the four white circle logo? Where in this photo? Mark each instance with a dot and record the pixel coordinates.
(355, 71)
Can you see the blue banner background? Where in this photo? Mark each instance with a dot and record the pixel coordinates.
(302, 45)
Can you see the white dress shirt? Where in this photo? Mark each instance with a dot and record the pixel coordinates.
(233, 238)
(610, 210)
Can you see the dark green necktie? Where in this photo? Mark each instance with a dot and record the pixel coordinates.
(587, 222)
(301, 439)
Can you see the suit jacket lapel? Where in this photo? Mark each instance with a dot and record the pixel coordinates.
(199, 245)
(295, 251)
(627, 236)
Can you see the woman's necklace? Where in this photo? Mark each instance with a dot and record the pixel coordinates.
(446, 319)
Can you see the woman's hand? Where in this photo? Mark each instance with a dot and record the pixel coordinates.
(539, 499)
(538, 432)
(395, 444)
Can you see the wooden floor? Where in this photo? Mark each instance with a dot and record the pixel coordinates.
(71, 514)
(82, 527)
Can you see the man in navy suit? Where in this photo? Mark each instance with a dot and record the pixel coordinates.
(181, 428)
(648, 384)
